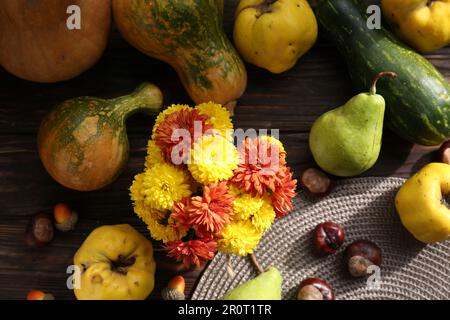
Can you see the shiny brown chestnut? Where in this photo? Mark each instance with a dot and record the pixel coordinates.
(315, 289)
(39, 230)
(360, 255)
(328, 237)
(315, 182)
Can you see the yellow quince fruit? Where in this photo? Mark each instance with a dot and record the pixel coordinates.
(116, 263)
(421, 206)
(423, 24)
(274, 34)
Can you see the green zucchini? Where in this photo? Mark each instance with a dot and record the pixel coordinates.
(418, 103)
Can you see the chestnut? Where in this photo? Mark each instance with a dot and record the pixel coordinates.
(360, 255)
(315, 289)
(315, 182)
(39, 230)
(328, 237)
(444, 152)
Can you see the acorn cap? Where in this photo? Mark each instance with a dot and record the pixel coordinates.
(172, 294)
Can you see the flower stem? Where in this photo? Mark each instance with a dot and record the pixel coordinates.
(256, 264)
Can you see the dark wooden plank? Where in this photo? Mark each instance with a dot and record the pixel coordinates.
(290, 102)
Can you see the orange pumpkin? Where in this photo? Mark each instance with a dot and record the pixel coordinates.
(37, 45)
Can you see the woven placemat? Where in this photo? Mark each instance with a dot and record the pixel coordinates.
(365, 207)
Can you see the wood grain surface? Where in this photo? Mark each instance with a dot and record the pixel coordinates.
(289, 102)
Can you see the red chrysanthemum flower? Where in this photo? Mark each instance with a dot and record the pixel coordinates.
(188, 120)
(259, 164)
(284, 192)
(192, 252)
(212, 211)
(180, 213)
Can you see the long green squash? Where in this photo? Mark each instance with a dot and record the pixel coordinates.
(418, 103)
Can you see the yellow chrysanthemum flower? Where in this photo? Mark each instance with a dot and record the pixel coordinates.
(264, 217)
(161, 185)
(162, 115)
(275, 141)
(239, 237)
(213, 159)
(154, 219)
(219, 117)
(245, 206)
(154, 155)
(136, 187)
(234, 191)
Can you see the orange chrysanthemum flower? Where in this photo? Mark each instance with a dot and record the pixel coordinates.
(212, 211)
(184, 119)
(192, 252)
(260, 161)
(284, 192)
(180, 213)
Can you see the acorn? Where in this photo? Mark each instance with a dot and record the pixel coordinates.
(175, 289)
(39, 295)
(65, 218)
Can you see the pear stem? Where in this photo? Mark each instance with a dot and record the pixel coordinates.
(256, 264)
(373, 88)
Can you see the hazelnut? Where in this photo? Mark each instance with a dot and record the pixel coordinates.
(65, 218)
(360, 255)
(328, 237)
(315, 289)
(315, 182)
(39, 295)
(175, 289)
(39, 230)
(444, 152)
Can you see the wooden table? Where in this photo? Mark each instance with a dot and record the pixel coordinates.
(290, 102)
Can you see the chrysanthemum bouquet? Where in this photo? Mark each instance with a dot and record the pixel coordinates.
(200, 194)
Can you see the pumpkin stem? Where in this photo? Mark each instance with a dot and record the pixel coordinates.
(146, 98)
(230, 106)
(373, 88)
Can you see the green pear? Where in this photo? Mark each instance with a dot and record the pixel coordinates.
(346, 141)
(266, 286)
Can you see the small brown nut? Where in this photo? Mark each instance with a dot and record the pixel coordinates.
(444, 152)
(65, 218)
(360, 255)
(315, 182)
(315, 289)
(39, 230)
